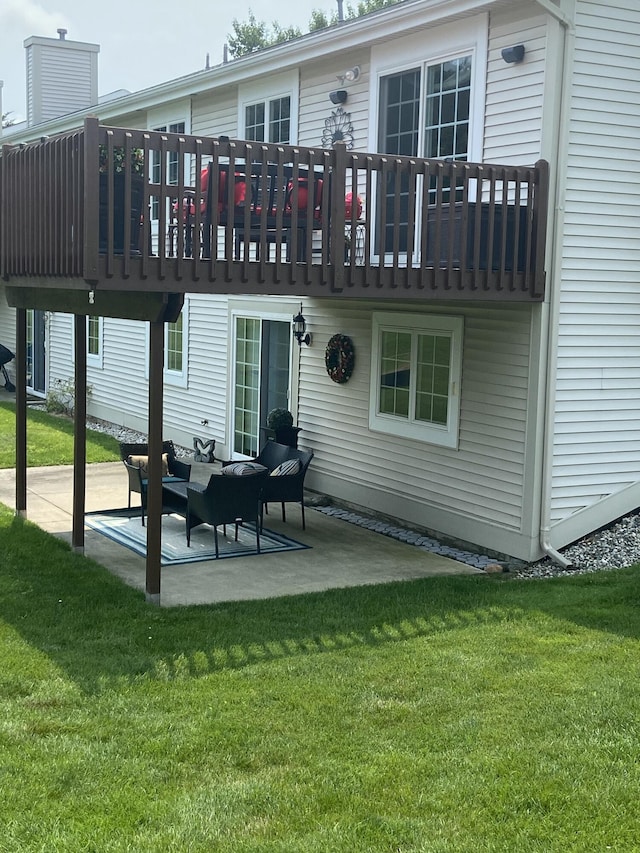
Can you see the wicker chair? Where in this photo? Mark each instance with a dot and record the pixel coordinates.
(226, 500)
(282, 487)
(132, 456)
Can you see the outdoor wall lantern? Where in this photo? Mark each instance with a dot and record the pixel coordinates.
(513, 54)
(339, 96)
(300, 329)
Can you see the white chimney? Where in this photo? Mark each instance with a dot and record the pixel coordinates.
(62, 76)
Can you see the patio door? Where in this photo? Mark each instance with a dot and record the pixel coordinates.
(262, 378)
(36, 364)
(424, 111)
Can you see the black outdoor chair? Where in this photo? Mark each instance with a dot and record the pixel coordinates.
(5, 357)
(226, 500)
(285, 483)
(135, 456)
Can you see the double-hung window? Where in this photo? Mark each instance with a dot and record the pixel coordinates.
(94, 340)
(267, 111)
(415, 376)
(269, 120)
(176, 349)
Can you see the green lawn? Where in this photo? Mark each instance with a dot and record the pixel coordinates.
(49, 440)
(450, 714)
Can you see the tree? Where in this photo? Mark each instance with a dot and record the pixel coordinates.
(248, 37)
(366, 6)
(319, 20)
(6, 121)
(252, 35)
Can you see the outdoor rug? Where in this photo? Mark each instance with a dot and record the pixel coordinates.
(126, 529)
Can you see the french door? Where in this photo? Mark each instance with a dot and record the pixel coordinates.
(424, 112)
(262, 356)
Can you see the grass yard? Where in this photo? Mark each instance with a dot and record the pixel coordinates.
(49, 440)
(451, 714)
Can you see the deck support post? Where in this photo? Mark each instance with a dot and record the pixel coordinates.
(79, 432)
(21, 411)
(154, 490)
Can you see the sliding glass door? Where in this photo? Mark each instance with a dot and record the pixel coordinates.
(262, 378)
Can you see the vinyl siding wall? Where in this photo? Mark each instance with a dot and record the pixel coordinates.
(512, 130)
(317, 80)
(469, 492)
(596, 470)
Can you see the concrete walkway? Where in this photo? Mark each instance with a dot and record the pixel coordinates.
(340, 555)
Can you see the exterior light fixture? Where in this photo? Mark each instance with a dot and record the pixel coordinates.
(339, 96)
(513, 54)
(350, 75)
(300, 329)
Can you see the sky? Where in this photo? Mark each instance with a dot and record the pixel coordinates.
(142, 43)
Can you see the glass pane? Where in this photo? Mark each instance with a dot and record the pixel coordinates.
(174, 345)
(246, 391)
(395, 373)
(254, 122)
(442, 349)
(402, 403)
(433, 378)
(440, 410)
(278, 347)
(398, 134)
(93, 335)
(448, 108)
(441, 380)
(279, 119)
(423, 407)
(446, 129)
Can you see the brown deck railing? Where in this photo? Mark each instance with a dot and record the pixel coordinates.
(156, 211)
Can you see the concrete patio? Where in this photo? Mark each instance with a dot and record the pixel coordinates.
(339, 555)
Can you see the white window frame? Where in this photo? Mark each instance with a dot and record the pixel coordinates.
(96, 359)
(451, 326)
(279, 310)
(442, 43)
(178, 378)
(180, 114)
(270, 88)
(446, 42)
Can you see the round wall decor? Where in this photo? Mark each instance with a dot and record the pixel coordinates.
(339, 358)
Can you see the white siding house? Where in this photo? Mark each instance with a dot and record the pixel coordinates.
(545, 442)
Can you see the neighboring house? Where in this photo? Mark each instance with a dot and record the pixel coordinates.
(526, 436)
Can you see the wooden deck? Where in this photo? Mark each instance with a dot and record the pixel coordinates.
(428, 229)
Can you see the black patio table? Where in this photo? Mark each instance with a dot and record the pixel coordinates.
(174, 496)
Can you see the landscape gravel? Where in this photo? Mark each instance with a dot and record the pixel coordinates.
(614, 547)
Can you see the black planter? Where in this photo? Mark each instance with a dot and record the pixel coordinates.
(505, 224)
(283, 435)
(137, 195)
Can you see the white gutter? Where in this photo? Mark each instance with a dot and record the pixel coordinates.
(551, 310)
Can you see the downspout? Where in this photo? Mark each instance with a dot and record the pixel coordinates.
(552, 309)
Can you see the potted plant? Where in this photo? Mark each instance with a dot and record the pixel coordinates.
(280, 427)
(112, 179)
